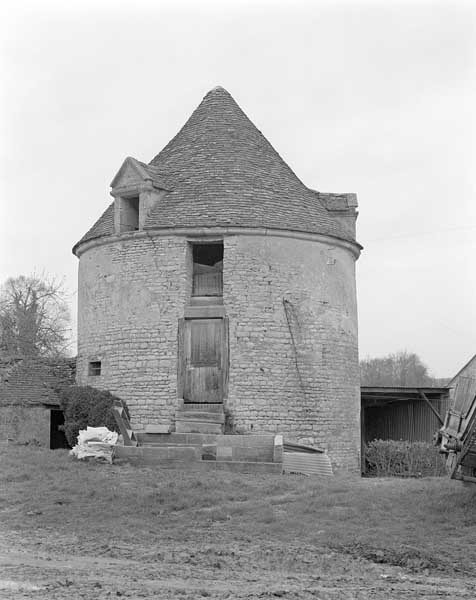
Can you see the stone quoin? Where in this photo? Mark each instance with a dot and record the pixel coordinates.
(216, 277)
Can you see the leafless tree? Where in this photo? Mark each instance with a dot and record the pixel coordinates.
(34, 316)
(400, 369)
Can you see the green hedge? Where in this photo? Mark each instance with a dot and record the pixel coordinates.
(83, 406)
(391, 458)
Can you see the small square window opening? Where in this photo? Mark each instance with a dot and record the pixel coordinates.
(94, 368)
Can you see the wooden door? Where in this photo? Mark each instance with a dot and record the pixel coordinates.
(203, 349)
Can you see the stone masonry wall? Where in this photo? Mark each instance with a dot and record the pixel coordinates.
(131, 295)
(291, 371)
(25, 424)
(308, 390)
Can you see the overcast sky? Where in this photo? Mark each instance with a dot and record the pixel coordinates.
(376, 98)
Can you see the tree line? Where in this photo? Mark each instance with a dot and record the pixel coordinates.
(402, 369)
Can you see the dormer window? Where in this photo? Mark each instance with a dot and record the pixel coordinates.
(133, 180)
(129, 214)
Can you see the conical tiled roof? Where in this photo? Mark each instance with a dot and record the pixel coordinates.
(221, 171)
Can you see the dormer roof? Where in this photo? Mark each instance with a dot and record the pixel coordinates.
(221, 171)
(134, 171)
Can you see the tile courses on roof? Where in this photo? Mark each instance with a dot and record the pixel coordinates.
(222, 172)
(34, 381)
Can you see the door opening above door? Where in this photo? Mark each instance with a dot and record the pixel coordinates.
(207, 269)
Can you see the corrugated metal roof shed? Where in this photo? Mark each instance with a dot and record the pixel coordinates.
(402, 413)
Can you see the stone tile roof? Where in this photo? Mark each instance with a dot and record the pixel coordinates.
(221, 171)
(34, 381)
(103, 226)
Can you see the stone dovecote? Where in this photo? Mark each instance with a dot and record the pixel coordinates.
(217, 276)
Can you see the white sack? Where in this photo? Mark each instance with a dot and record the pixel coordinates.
(95, 442)
(97, 434)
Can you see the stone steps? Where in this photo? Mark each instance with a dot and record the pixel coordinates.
(192, 426)
(202, 406)
(200, 418)
(172, 439)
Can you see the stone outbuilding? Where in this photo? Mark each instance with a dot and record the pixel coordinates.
(217, 282)
(30, 410)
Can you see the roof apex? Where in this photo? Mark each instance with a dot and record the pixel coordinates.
(219, 171)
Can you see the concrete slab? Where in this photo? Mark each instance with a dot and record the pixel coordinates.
(224, 453)
(197, 427)
(136, 456)
(177, 438)
(157, 428)
(245, 447)
(253, 453)
(264, 440)
(157, 454)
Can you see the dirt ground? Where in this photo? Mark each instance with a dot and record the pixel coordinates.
(39, 568)
(75, 531)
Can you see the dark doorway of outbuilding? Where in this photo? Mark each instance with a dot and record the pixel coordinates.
(57, 436)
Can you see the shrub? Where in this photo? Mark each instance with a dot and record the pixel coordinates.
(83, 406)
(391, 458)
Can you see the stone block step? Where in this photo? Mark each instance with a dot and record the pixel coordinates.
(187, 438)
(185, 460)
(202, 406)
(198, 427)
(255, 439)
(171, 444)
(171, 439)
(195, 415)
(244, 454)
(159, 453)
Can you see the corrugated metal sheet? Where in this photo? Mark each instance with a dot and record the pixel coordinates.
(307, 464)
(291, 447)
(410, 420)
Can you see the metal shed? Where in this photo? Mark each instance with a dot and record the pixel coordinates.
(413, 414)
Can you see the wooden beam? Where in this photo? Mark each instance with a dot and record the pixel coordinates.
(433, 409)
(402, 389)
(362, 439)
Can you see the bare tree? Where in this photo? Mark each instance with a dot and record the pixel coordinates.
(400, 369)
(34, 316)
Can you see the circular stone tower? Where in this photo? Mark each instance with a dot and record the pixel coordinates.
(218, 281)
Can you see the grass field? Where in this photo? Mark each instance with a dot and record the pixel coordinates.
(143, 532)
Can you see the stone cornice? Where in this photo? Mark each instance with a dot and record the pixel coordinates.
(216, 232)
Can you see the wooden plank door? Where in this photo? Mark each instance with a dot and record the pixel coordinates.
(203, 346)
